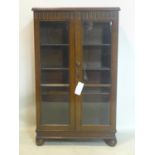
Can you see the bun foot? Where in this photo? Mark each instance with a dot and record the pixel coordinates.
(111, 142)
(39, 141)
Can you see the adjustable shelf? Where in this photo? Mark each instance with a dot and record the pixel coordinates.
(95, 93)
(54, 68)
(97, 85)
(55, 93)
(96, 45)
(97, 68)
(54, 45)
(54, 85)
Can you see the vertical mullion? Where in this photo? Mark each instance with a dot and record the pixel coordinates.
(78, 68)
(72, 72)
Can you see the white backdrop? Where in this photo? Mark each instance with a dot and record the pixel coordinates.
(125, 98)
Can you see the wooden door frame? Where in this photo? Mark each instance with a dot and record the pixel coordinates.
(54, 127)
(79, 57)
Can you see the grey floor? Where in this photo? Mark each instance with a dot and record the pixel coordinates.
(125, 145)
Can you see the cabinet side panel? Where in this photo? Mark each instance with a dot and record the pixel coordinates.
(37, 68)
(114, 70)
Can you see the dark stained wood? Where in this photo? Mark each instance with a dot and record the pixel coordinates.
(111, 142)
(78, 9)
(72, 73)
(57, 134)
(37, 71)
(75, 13)
(114, 70)
(74, 17)
(39, 141)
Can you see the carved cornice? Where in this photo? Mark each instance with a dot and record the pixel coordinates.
(83, 15)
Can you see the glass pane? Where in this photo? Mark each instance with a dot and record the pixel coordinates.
(55, 108)
(54, 68)
(96, 90)
(97, 33)
(96, 77)
(97, 52)
(53, 32)
(56, 76)
(95, 109)
(96, 73)
(55, 113)
(97, 57)
(54, 57)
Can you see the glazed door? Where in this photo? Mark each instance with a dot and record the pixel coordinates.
(56, 108)
(95, 106)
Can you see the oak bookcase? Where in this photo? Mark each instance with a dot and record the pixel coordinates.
(76, 45)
